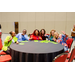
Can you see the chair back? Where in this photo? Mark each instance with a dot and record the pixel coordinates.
(69, 42)
(60, 58)
(72, 55)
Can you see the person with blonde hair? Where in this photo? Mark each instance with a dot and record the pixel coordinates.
(61, 39)
(50, 37)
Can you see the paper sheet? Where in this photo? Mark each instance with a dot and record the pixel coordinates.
(21, 43)
(35, 40)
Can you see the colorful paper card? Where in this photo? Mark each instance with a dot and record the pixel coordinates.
(21, 43)
(35, 40)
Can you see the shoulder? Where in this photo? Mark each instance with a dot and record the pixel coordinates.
(19, 33)
(8, 36)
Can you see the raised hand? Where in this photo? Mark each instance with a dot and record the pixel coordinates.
(63, 32)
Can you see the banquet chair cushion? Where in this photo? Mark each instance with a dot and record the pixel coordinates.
(69, 54)
(5, 58)
(72, 55)
(2, 53)
(69, 42)
(60, 58)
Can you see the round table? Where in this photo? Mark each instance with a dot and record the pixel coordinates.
(35, 51)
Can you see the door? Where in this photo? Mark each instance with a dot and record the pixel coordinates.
(16, 27)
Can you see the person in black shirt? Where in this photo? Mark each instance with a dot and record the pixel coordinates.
(43, 34)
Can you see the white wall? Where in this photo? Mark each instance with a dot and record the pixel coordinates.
(32, 20)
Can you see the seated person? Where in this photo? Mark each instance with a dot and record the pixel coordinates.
(36, 35)
(43, 34)
(22, 36)
(8, 41)
(0, 32)
(50, 37)
(61, 39)
(73, 32)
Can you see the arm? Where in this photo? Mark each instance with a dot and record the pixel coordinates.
(72, 31)
(26, 37)
(8, 39)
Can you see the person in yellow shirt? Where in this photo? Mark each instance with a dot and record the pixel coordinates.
(9, 39)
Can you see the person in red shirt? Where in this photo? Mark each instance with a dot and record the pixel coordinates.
(36, 35)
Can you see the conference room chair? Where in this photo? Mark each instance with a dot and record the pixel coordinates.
(63, 57)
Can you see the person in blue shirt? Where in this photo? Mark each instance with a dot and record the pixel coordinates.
(22, 36)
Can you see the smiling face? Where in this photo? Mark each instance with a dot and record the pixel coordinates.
(52, 33)
(56, 35)
(13, 34)
(43, 32)
(36, 33)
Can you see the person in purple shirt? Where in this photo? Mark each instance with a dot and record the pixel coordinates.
(22, 36)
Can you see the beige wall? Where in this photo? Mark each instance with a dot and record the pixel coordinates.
(32, 20)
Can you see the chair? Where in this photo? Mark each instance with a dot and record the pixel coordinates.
(1, 47)
(71, 56)
(60, 58)
(69, 43)
(5, 58)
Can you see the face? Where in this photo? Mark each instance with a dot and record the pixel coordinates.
(52, 33)
(36, 32)
(56, 35)
(13, 34)
(42, 31)
(24, 32)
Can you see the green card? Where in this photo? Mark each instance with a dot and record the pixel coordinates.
(24, 41)
(42, 41)
(21, 43)
(35, 40)
(46, 42)
(53, 42)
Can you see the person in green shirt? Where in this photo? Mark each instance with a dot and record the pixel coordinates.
(50, 37)
(9, 39)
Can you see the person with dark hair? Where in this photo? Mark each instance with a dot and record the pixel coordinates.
(22, 36)
(9, 39)
(43, 34)
(0, 31)
(36, 35)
